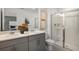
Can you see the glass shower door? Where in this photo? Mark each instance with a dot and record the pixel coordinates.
(57, 29)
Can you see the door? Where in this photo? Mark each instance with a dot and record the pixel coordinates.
(57, 29)
(72, 31)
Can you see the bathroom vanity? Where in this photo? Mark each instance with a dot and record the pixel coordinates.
(29, 41)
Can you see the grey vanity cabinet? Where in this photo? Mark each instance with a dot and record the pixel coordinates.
(37, 42)
(29, 43)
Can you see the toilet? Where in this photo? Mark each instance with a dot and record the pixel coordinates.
(50, 44)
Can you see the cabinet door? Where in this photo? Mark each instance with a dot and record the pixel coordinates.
(41, 44)
(22, 46)
(37, 43)
(33, 45)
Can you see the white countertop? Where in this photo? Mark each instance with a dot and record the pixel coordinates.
(7, 36)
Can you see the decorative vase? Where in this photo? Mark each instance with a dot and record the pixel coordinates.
(21, 31)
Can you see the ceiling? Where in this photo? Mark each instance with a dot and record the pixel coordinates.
(52, 10)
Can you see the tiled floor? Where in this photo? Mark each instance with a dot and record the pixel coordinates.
(57, 48)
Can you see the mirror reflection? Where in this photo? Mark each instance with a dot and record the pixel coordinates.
(0, 20)
(18, 18)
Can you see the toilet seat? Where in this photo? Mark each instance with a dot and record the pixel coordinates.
(50, 42)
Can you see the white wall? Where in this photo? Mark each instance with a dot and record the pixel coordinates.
(48, 24)
(21, 14)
